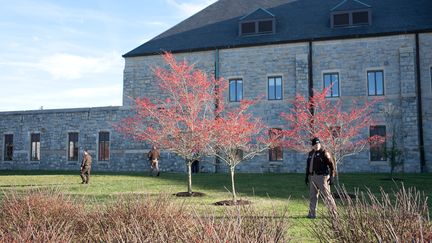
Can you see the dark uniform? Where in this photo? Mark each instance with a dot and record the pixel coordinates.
(86, 167)
(320, 172)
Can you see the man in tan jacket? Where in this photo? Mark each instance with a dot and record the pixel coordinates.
(154, 156)
(86, 167)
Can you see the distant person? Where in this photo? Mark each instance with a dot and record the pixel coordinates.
(86, 167)
(195, 166)
(154, 156)
(320, 171)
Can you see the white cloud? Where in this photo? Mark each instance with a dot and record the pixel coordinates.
(190, 8)
(70, 66)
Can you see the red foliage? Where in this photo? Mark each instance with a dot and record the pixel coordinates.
(342, 132)
(181, 121)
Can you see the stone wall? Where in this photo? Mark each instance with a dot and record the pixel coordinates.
(351, 58)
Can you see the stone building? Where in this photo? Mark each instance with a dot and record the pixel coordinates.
(275, 48)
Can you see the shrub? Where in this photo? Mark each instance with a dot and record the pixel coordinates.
(49, 216)
(401, 217)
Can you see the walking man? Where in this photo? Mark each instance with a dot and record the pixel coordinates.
(320, 171)
(86, 167)
(154, 156)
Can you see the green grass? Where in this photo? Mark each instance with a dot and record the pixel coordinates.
(266, 191)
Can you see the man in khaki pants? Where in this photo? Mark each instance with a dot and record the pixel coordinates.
(320, 171)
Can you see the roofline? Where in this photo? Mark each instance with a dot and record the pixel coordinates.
(60, 110)
(344, 1)
(342, 37)
(265, 10)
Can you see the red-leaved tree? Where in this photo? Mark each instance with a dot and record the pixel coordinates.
(239, 137)
(341, 132)
(181, 122)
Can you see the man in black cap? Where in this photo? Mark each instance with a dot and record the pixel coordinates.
(320, 171)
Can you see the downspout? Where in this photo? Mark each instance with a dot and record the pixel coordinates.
(310, 71)
(216, 76)
(419, 107)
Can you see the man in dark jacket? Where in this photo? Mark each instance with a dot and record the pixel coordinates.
(86, 167)
(320, 171)
(154, 156)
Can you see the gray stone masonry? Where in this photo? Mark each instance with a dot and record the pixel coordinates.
(351, 58)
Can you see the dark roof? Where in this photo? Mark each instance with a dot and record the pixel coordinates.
(260, 13)
(350, 5)
(216, 27)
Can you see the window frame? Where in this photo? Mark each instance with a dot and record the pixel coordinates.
(383, 81)
(236, 80)
(5, 149)
(384, 145)
(76, 146)
(274, 77)
(256, 22)
(350, 18)
(37, 145)
(100, 156)
(276, 153)
(331, 73)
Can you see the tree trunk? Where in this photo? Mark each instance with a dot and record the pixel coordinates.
(189, 165)
(232, 184)
(336, 172)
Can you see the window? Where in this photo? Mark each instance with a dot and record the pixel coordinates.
(248, 28)
(360, 18)
(104, 143)
(257, 27)
(375, 82)
(377, 152)
(331, 81)
(350, 18)
(276, 153)
(73, 146)
(8, 147)
(35, 147)
(235, 90)
(275, 88)
(340, 20)
(335, 131)
(265, 26)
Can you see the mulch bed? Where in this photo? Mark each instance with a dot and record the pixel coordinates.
(192, 194)
(231, 203)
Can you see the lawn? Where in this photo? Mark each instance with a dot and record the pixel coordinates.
(266, 191)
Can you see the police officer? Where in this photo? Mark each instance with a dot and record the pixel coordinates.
(86, 167)
(320, 172)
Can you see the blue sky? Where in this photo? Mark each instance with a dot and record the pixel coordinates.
(67, 54)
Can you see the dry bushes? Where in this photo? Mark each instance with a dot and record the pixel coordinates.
(401, 217)
(52, 217)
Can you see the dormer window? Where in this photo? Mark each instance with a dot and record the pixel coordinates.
(350, 13)
(258, 22)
